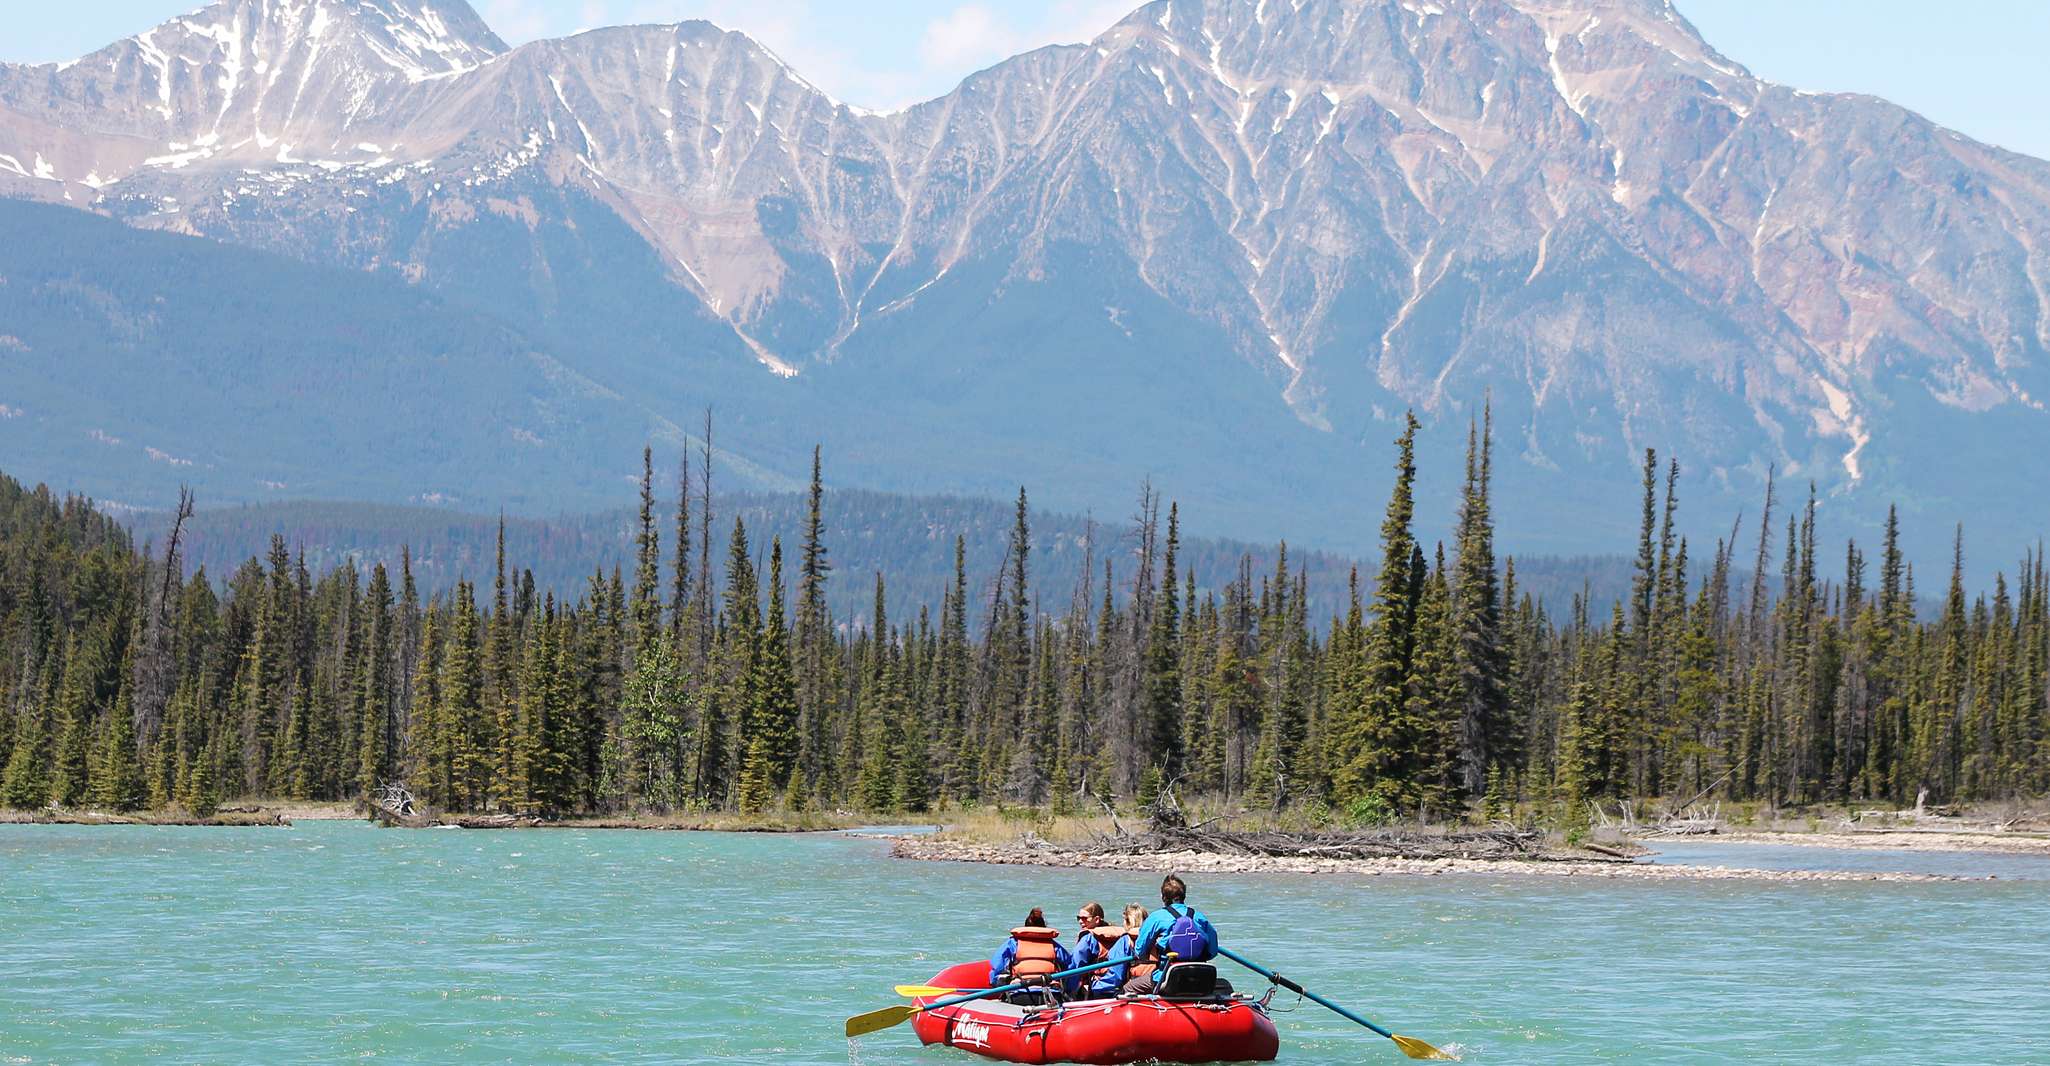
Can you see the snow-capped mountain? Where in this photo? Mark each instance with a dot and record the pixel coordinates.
(240, 82)
(1227, 241)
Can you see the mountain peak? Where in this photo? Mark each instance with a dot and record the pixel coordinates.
(1324, 210)
(244, 81)
(417, 38)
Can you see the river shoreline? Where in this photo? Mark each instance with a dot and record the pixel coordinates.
(930, 849)
(227, 817)
(286, 814)
(1933, 840)
(674, 823)
(1032, 851)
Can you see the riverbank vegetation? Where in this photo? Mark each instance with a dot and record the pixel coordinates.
(712, 678)
(172, 815)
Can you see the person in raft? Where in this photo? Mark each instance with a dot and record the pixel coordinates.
(1176, 932)
(1107, 982)
(1032, 954)
(1088, 946)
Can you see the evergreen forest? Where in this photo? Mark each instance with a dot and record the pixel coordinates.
(711, 675)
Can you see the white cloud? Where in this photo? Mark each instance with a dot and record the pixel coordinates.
(969, 34)
(973, 36)
(910, 57)
(517, 21)
(1080, 21)
(799, 32)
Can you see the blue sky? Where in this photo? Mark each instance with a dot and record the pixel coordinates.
(1976, 66)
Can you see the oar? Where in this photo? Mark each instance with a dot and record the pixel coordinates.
(1410, 1045)
(877, 1020)
(924, 991)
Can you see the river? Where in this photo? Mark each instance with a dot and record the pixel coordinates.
(336, 941)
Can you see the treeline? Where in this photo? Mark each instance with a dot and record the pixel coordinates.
(1442, 687)
(910, 538)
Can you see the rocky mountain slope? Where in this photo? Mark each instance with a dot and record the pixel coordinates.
(1227, 242)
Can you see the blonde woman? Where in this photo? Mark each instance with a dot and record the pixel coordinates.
(1139, 974)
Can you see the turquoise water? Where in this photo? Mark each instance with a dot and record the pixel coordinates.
(335, 941)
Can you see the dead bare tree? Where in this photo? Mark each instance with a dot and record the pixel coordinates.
(154, 664)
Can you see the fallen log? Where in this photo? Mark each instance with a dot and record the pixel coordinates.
(391, 819)
(490, 821)
(1500, 843)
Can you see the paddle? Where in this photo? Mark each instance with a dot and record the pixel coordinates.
(924, 991)
(1410, 1045)
(877, 1020)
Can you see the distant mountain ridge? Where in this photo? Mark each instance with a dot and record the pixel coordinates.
(908, 539)
(1226, 242)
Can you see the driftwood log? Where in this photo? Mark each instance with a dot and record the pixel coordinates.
(1495, 843)
(1168, 830)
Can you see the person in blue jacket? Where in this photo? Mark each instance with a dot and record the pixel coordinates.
(1088, 948)
(1159, 938)
(1031, 952)
(1107, 982)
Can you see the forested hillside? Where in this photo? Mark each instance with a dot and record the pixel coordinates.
(1441, 688)
(137, 360)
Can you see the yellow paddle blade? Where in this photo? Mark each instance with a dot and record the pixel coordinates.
(1410, 1046)
(877, 1020)
(923, 991)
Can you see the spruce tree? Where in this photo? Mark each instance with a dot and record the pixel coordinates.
(1433, 703)
(499, 691)
(293, 763)
(1017, 642)
(679, 569)
(951, 684)
(653, 708)
(874, 785)
(647, 597)
(202, 795)
(707, 609)
(772, 743)
(540, 761)
(430, 746)
(1486, 732)
(1379, 741)
(69, 778)
(375, 733)
(912, 789)
(1289, 676)
(117, 781)
(1163, 662)
(815, 661)
(26, 783)
(469, 730)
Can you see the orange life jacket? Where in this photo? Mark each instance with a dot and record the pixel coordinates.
(1138, 968)
(1036, 954)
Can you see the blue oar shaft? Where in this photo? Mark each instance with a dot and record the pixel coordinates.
(1300, 990)
(1015, 986)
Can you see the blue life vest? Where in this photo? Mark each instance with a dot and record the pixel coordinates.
(1185, 939)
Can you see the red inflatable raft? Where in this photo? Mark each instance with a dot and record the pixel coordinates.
(1126, 1029)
